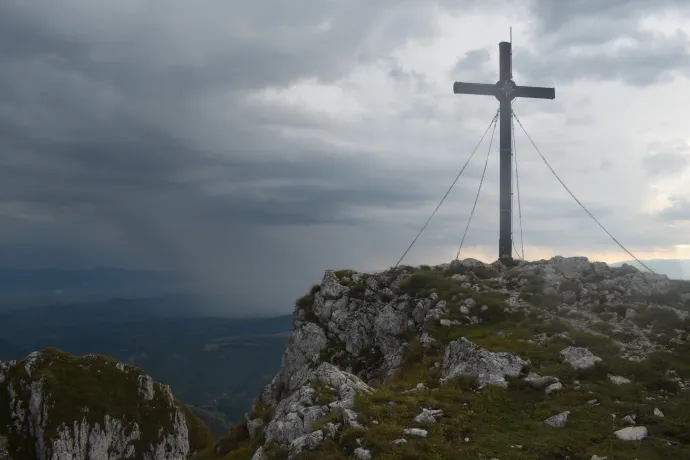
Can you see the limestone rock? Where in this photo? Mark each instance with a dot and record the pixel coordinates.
(415, 432)
(579, 358)
(306, 442)
(132, 409)
(628, 420)
(538, 381)
(618, 380)
(464, 358)
(637, 433)
(295, 414)
(558, 420)
(428, 416)
(553, 387)
(362, 454)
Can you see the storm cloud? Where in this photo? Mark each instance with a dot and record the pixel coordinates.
(251, 145)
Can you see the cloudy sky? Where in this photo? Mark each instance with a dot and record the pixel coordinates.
(252, 144)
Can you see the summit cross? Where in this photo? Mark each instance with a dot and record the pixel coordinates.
(505, 90)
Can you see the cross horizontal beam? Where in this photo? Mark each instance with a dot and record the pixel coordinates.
(487, 89)
(482, 89)
(535, 92)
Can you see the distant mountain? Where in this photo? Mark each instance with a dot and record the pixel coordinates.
(216, 365)
(678, 269)
(21, 288)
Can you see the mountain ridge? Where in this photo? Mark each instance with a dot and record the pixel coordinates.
(551, 360)
(673, 268)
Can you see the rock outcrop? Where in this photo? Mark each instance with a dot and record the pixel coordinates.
(59, 407)
(480, 361)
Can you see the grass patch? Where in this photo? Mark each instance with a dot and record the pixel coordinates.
(494, 419)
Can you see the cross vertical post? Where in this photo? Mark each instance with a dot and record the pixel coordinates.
(505, 90)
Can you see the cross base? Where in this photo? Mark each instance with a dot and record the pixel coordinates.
(508, 261)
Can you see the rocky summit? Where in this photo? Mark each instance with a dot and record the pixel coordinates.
(54, 406)
(551, 360)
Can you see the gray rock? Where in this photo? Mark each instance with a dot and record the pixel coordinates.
(538, 381)
(637, 433)
(448, 322)
(579, 358)
(464, 358)
(628, 420)
(416, 432)
(559, 420)
(618, 380)
(362, 454)
(295, 414)
(426, 339)
(253, 426)
(305, 443)
(553, 387)
(260, 454)
(428, 416)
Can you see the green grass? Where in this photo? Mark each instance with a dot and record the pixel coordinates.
(494, 419)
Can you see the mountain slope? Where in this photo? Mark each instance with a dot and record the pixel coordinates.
(60, 407)
(224, 362)
(559, 359)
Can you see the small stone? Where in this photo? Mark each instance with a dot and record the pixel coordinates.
(448, 322)
(637, 433)
(538, 381)
(400, 441)
(628, 420)
(559, 420)
(658, 413)
(596, 457)
(415, 432)
(579, 357)
(362, 454)
(428, 416)
(618, 380)
(553, 387)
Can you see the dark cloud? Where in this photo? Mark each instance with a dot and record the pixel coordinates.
(595, 40)
(133, 136)
(127, 136)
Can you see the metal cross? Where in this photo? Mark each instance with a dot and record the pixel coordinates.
(505, 90)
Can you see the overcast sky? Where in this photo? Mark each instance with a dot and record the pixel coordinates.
(252, 144)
